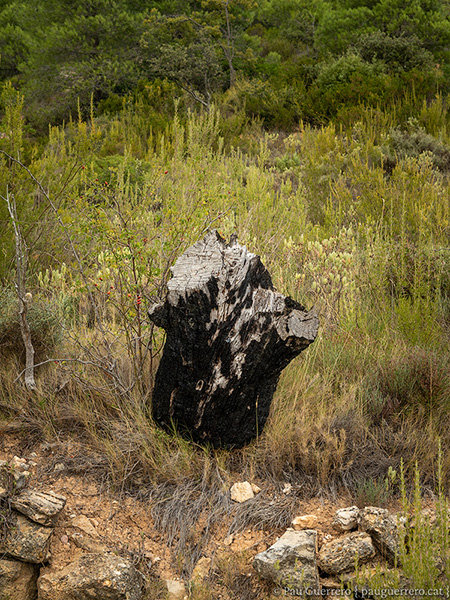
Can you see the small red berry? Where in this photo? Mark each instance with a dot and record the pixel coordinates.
(165, 172)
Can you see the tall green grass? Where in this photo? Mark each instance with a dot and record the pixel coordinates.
(343, 222)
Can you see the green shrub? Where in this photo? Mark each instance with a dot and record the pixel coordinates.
(399, 53)
(424, 543)
(277, 103)
(345, 81)
(371, 492)
(46, 330)
(416, 142)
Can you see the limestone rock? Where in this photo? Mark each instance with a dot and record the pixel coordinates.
(339, 556)
(242, 491)
(201, 569)
(85, 542)
(83, 523)
(383, 529)
(27, 541)
(427, 517)
(12, 477)
(256, 489)
(346, 519)
(304, 522)
(19, 463)
(330, 584)
(175, 589)
(363, 580)
(103, 577)
(291, 561)
(41, 507)
(17, 580)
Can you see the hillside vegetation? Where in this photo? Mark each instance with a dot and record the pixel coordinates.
(355, 222)
(319, 133)
(278, 60)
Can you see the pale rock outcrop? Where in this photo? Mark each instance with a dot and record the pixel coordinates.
(304, 522)
(85, 524)
(103, 577)
(242, 491)
(383, 529)
(201, 570)
(346, 519)
(17, 580)
(291, 561)
(175, 589)
(340, 555)
(27, 541)
(40, 507)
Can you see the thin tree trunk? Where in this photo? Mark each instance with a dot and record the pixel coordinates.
(229, 53)
(22, 295)
(29, 349)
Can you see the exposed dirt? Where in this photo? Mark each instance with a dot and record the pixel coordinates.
(96, 518)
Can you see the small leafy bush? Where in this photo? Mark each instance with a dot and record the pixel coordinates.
(343, 82)
(46, 331)
(343, 70)
(415, 143)
(399, 53)
(371, 492)
(278, 104)
(424, 543)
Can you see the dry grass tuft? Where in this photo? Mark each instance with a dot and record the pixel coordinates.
(188, 515)
(232, 572)
(264, 512)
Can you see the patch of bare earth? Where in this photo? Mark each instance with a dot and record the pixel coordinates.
(97, 517)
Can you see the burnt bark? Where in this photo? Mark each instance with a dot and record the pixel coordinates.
(229, 336)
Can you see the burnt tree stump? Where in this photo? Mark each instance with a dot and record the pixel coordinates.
(229, 336)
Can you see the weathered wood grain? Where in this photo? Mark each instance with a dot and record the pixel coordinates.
(229, 336)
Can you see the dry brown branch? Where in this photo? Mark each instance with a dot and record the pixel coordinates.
(23, 296)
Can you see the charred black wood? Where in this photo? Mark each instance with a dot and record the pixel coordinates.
(229, 336)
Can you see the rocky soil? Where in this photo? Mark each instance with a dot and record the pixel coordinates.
(73, 536)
